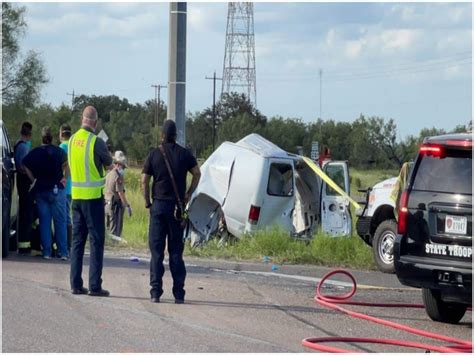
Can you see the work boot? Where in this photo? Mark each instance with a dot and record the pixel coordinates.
(100, 293)
(79, 291)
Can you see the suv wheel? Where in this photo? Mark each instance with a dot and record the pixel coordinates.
(441, 311)
(382, 245)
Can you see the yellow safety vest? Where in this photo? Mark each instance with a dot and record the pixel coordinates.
(87, 182)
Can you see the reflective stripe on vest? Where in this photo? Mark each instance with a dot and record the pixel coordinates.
(86, 181)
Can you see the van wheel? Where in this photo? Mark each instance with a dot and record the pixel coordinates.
(382, 245)
(441, 311)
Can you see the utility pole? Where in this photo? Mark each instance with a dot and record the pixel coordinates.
(320, 99)
(214, 109)
(177, 69)
(158, 101)
(72, 103)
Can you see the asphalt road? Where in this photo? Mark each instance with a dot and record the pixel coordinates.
(230, 307)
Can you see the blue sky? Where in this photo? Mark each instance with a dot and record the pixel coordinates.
(409, 62)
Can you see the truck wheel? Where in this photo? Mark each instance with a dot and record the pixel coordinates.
(382, 245)
(441, 311)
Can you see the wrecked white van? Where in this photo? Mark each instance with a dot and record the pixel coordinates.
(253, 184)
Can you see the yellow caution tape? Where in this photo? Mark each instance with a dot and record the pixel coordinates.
(328, 181)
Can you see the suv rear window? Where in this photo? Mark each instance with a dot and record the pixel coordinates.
(451, 173)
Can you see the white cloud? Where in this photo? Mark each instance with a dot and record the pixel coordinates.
(396, 40)
(207, 17)
(129, 26)
(353, 49)
(122, 7)
(431, 14)
(57, 24)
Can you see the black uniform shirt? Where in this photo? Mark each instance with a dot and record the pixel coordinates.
(181, 161)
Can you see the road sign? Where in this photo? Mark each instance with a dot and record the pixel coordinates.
(315, 151)
(103, 135)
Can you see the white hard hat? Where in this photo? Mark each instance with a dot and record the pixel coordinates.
(119, 157)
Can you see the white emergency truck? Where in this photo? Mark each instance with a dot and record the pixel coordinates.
(377, 225)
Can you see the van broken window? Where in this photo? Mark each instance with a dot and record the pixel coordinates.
(280, 180)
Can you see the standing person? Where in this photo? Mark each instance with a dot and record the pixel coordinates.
(163, 224)
(64, 135)
(115, 199)
(87, 156)
(46, 166)
(23, 183)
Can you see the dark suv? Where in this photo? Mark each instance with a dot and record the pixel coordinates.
(9, 196)
(433, 248)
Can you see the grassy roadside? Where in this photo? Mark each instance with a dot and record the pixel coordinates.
(274, 243)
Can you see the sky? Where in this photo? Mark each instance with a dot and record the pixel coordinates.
(408, 61)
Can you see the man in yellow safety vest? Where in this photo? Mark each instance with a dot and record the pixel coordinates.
(87, 157)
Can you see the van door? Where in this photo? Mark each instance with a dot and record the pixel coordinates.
(335, 214)
(278, 194)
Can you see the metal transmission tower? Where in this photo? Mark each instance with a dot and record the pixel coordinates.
(239, 59)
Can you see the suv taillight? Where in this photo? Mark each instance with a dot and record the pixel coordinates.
(254, 214)
(403, 213)
(434, 150)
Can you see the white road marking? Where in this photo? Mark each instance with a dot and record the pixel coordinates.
(315, 280)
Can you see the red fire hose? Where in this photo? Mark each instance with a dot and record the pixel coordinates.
(453, 344)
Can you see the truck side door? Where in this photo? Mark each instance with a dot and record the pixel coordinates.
(335, 214)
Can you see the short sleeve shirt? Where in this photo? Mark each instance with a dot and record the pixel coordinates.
(46, 164)
(113, 185)
(20, 152)
(64, 147)
(181, 161)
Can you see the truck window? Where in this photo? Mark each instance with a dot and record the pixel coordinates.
(280, 180)
(450, 174)
(336, 173)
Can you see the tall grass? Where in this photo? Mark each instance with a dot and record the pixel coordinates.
(281, 248)
(274, 243)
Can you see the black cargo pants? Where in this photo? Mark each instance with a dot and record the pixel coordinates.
(164, 226)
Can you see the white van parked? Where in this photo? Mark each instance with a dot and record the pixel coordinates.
(253, 184)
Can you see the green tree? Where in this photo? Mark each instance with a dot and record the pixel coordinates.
(286, 133)
(383, 135)
(22, 75)
(104, 105)
(199, 132)
(238, 127)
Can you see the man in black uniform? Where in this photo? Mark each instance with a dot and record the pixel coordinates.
(23, 183)
(163, 222)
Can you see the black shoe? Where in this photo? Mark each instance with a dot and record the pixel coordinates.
(100, 293)
(154, 300)
(79, 291)
(179, 301)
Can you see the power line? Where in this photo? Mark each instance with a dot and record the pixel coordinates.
(379, 65)
(413, 69)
